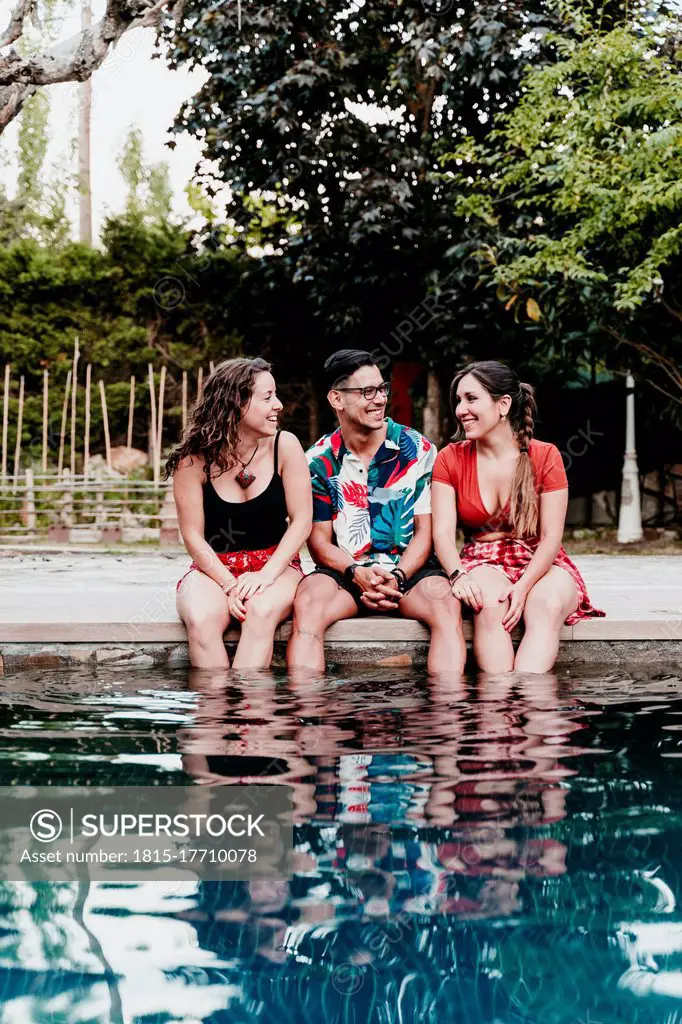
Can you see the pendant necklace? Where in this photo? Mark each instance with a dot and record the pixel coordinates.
(245, 477)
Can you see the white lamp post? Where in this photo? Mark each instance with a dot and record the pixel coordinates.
(630, 515)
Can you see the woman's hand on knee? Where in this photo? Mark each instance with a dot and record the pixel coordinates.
(468, 592)
(516, 593)
(252, 583)
(236, 606)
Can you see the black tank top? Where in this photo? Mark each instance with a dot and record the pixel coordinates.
(250, 525)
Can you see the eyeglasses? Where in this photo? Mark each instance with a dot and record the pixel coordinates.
(371, 392)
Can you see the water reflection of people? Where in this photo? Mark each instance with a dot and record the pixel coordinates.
(489, 771)
(432, 830)
(236, 739)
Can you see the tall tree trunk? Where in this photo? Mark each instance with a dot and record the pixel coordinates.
(432, 426)
(85, 108)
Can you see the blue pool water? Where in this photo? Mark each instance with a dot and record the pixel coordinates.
(492, 852)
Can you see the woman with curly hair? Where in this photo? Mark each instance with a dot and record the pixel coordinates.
(509, 493)
(244, 500)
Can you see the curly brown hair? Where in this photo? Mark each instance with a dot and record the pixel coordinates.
(213, 427)
(499, 380)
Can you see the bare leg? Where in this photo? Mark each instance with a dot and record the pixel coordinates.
(264, 612)
(548, 604)
(320, 601)
(431, 601)
(202, 606)
(493, 645)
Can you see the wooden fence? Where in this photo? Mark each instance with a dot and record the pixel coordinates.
(74, 450)
(74, 508)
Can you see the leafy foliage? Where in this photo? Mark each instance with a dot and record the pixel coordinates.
(337, 112)
(149, 295)
(578, 191)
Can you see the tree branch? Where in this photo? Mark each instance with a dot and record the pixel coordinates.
(675, 398)
(23, 10)
(663, 362)
(673, 312)
(75, 59)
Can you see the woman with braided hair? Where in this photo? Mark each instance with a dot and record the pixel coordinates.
(508, 492)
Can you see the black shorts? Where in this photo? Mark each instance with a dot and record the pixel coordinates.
(430, 568)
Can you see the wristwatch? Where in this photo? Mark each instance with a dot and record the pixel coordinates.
(455, 574)
(349, 574)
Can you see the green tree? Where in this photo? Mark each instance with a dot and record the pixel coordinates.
(38, 208)
(578, 197)
(336, 113)
(153, 293)
(32, 146)
(149, 191)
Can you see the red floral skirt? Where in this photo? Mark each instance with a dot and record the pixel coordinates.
(239, 562)
(511, 556)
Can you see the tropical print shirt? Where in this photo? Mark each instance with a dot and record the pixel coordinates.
(372, 510)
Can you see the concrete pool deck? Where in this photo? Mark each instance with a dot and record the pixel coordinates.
(103, 607)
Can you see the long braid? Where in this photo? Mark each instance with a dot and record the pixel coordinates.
(524, 500)
(527, 413)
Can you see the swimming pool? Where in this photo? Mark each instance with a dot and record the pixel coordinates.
(486, 852)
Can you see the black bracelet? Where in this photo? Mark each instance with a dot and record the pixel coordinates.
(455, 574)
(401, 579)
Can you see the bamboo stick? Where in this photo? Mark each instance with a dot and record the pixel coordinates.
(100, 514)
(200, 383)
(62, 432)
(105, 418)
(152, 403)
(184, 400)
(74, 389)
(46, 394)
(129, 434)
(30, 503)
(5, 420)
(159, 425)
(20, 422)
(86, 430)
(131, 408)
(67, 499)
(211, 366)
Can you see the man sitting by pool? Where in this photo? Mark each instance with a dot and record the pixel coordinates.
(371, 536)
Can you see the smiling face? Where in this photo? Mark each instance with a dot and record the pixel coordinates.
(352, 408)
(262, 415)
(475, 408)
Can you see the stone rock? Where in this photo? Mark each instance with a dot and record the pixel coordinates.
(84, 535)
(135, 534)
(124, 460)
(604, 504)
(111, 534)
(58, 533)
(576, 513)
(140, 661)
(129, 521)
(98, 464)
(676, 472)
(178, 656)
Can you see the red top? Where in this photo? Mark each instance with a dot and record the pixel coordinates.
(457, 466)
